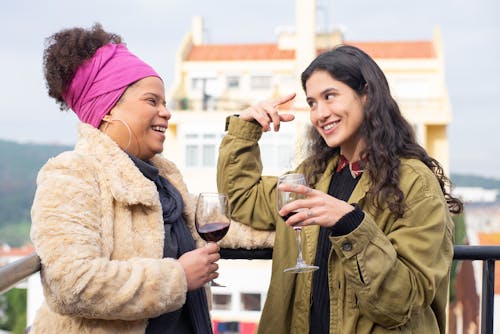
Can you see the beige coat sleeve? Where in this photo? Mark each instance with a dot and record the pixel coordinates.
(79, 276)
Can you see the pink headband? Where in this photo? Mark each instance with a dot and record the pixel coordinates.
(99, 82)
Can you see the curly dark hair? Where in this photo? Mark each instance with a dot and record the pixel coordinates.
(388, 135)
(65, 51)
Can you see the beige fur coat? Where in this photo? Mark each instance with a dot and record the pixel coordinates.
(97, 227)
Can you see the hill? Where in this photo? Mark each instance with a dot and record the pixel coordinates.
(19, 165)
(467, 180)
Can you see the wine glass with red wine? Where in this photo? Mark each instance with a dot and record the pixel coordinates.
(283, 198)
(212, 217)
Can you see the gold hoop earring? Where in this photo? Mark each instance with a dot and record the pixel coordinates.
(109, 121)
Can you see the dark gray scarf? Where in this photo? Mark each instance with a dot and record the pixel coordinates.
(193, 317)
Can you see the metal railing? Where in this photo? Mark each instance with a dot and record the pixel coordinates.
(14, 272)
(487, 254)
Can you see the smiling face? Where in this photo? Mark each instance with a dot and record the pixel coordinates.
(337, 113)
(142, 109)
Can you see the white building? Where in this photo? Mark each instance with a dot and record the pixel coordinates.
(476, 194)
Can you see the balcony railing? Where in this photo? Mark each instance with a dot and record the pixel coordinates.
(13, 273)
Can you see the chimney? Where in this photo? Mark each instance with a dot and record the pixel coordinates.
(305, 46)
(197, 30)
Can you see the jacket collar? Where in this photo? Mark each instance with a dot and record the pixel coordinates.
(126, 182)
(360, 190)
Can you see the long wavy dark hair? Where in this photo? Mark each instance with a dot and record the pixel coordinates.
(65, 51)
(387, 134)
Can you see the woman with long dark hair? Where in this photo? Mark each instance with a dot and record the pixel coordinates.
(376, 214)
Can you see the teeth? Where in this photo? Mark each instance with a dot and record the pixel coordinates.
(329, 126)
(159, 128)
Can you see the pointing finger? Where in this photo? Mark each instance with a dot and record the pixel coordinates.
(282, 100)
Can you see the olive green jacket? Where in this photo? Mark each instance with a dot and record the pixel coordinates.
(390, 275)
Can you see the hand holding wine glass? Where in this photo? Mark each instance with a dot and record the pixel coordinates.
(283, 198)
(212, 217)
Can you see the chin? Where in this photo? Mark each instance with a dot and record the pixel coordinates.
(331, 143)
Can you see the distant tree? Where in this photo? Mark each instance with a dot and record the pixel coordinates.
(467, 180)
(19, 165)
(460, 239)
(15, 235)
(14, 319)
(3, 310)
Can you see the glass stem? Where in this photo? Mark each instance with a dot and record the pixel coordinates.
(300, 260)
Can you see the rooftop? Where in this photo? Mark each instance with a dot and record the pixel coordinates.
(263, 51)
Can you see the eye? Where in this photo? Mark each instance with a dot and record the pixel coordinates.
(151, 100)
(311, 103)
(329, 96)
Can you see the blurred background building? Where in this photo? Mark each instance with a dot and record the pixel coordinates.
(215, 80)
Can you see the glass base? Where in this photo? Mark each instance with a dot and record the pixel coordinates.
(304, 268)
(214, 283)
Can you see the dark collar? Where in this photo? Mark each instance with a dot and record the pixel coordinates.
(146, 168)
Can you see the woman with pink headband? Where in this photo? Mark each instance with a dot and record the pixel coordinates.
(112, 220)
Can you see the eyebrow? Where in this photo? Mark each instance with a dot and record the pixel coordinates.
(323, 92)
(328, 90)
(159, 97)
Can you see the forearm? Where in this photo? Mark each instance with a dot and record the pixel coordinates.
(239, 172)
(133, 289)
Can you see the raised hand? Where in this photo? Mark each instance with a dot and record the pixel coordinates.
(267, 112)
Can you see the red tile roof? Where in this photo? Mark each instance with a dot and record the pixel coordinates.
(492, 239)
(239, 52)
(403, 49)
(7, 251)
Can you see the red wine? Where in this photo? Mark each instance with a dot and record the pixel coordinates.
(213, 231)
(289, 215)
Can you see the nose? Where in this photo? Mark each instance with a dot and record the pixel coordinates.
(322, 110)
(164, 112)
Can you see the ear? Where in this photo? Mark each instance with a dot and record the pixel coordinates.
(364, 97)
(107, 118)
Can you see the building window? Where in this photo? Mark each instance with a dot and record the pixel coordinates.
(233, 82)
(196, 83)
(207, 83)
(221, 301)
(192, 153)
(278, 150)
(250, 301)
(201, 148)
(260, 82)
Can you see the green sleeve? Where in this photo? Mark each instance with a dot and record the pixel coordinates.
(239, 174)
(400, 271)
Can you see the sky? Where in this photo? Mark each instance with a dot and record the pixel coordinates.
(154, 29)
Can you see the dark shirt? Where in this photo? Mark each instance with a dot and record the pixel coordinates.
(179, 321)
(341, 187)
